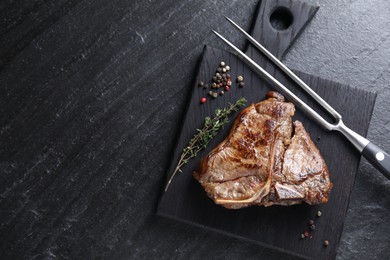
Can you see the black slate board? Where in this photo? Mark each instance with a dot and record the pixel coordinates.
(276, 227)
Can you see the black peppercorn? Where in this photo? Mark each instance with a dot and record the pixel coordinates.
(200, 84)
(241, 84)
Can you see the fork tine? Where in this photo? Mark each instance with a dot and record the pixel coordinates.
(277, 84)
(286, 70)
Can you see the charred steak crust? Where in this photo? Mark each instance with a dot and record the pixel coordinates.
(262, 163)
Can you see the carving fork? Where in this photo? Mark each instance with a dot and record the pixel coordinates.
(376, 156)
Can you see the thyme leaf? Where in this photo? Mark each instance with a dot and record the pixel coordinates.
(210, 129)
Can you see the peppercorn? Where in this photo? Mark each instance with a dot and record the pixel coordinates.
(229, 83)
(227, 67)
(223, 69)
(210, 93)
(220, 84)
(218, 81)
(241, 84)
(319, 213)
(200, 84)
(311, 222)
(214, 78)
(219, 70)
(217, 74)
(214, 85)
(215, 95)
(240, 78)
(203, 100)
(222, 64)
(326, 243)
(227, 88)
(302, 236)
(306, 234)
(228, 76)
(205, 86)
(222, 92)
(312, 227)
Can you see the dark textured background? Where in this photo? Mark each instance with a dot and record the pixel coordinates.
(92, 94)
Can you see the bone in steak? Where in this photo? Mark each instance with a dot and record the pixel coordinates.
(264, 162)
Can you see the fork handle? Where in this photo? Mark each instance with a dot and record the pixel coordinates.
(378, 158)
(375, 155)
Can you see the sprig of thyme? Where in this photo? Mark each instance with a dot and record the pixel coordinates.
(210, 129)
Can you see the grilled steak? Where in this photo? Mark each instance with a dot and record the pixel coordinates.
(261, 162)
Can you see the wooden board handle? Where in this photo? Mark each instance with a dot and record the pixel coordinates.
(277, 25)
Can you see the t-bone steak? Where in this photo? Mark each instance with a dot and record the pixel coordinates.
(265, 160)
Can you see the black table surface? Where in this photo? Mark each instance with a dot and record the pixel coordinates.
(92, 95)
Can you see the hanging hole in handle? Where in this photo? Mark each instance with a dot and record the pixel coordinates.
(281, 18)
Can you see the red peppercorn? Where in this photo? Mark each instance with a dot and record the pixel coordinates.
(203, 100)
(306, 234)
(227, 88)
